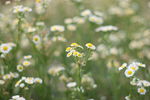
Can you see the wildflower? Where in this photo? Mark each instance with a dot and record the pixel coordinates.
(90, 46)
(26, 63)
(141, 90)
(78, 20)
(29, 80)
(123, 66)
(71, 84)
(106, 28)
(5, 48)
(68, 21)
(127, 97)
(71, 27)
(22, 85)
(36, 39)
(55, 70)
(68, 49)
(20, 68)
(69, 54)
(129, 72)
(57, 28)
(17, 97)
(28, 57)
(86, 13)
(21, 9)
(31, 29)
(95, 19)
(75, 45)
(38, 80)
(2, 82)
(143, 83)
(133, 67)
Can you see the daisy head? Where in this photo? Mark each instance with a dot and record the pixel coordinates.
(133, 67)
(36, 39)
(5, 48)
(129, 72)
(26, 63)
(141, 90)
(90, 46)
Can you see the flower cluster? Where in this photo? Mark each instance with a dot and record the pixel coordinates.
(11, 75)
(25, 82)
(21, 9)
(72, 50)
(130, 71)
(106, 28)
(131, 68)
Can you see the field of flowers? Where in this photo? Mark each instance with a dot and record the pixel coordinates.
(75, 50)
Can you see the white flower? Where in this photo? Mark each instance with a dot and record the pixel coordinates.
(17, 97)
(71, 27)
(133, 67)
(38, 80)
(141, 90)
(127, 97)
(71, 84)
(36, 39)
(2, 82)
(22, 85)
(129, 72)
(28, 57)
(5, 48)
(106, 28)
(90, 45)
(26, 63)
(57, 28)
(20, 68)
(29, 80)
(86, 13)
(123, 66)
(95, 19)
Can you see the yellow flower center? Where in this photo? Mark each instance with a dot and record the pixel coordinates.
(141, 90)
(5, 48)
(130, 72)
(133, 68)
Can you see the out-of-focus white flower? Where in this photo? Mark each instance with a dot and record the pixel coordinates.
(36, 39)
(71, 27)
(106, 28)
(127, 97)
(78, 20)
(95, 19)
(141, 90)
(27, 57)
(71, 84)
(17, 97)
(55, 70)
(86, 13)
(123, 66)
(129, 72)
(57, 28)
(5, 48)
(38, 80)
(31, 29)
(20, 68)
(21, 9)
(2, 82)
(90, 46)
(26, 63)
(29, 80)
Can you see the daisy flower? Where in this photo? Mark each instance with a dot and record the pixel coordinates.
(90, 46)
(129, 72)
(5, 48)
(141, 90)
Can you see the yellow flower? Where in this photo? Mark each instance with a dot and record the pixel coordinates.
(38, 1)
